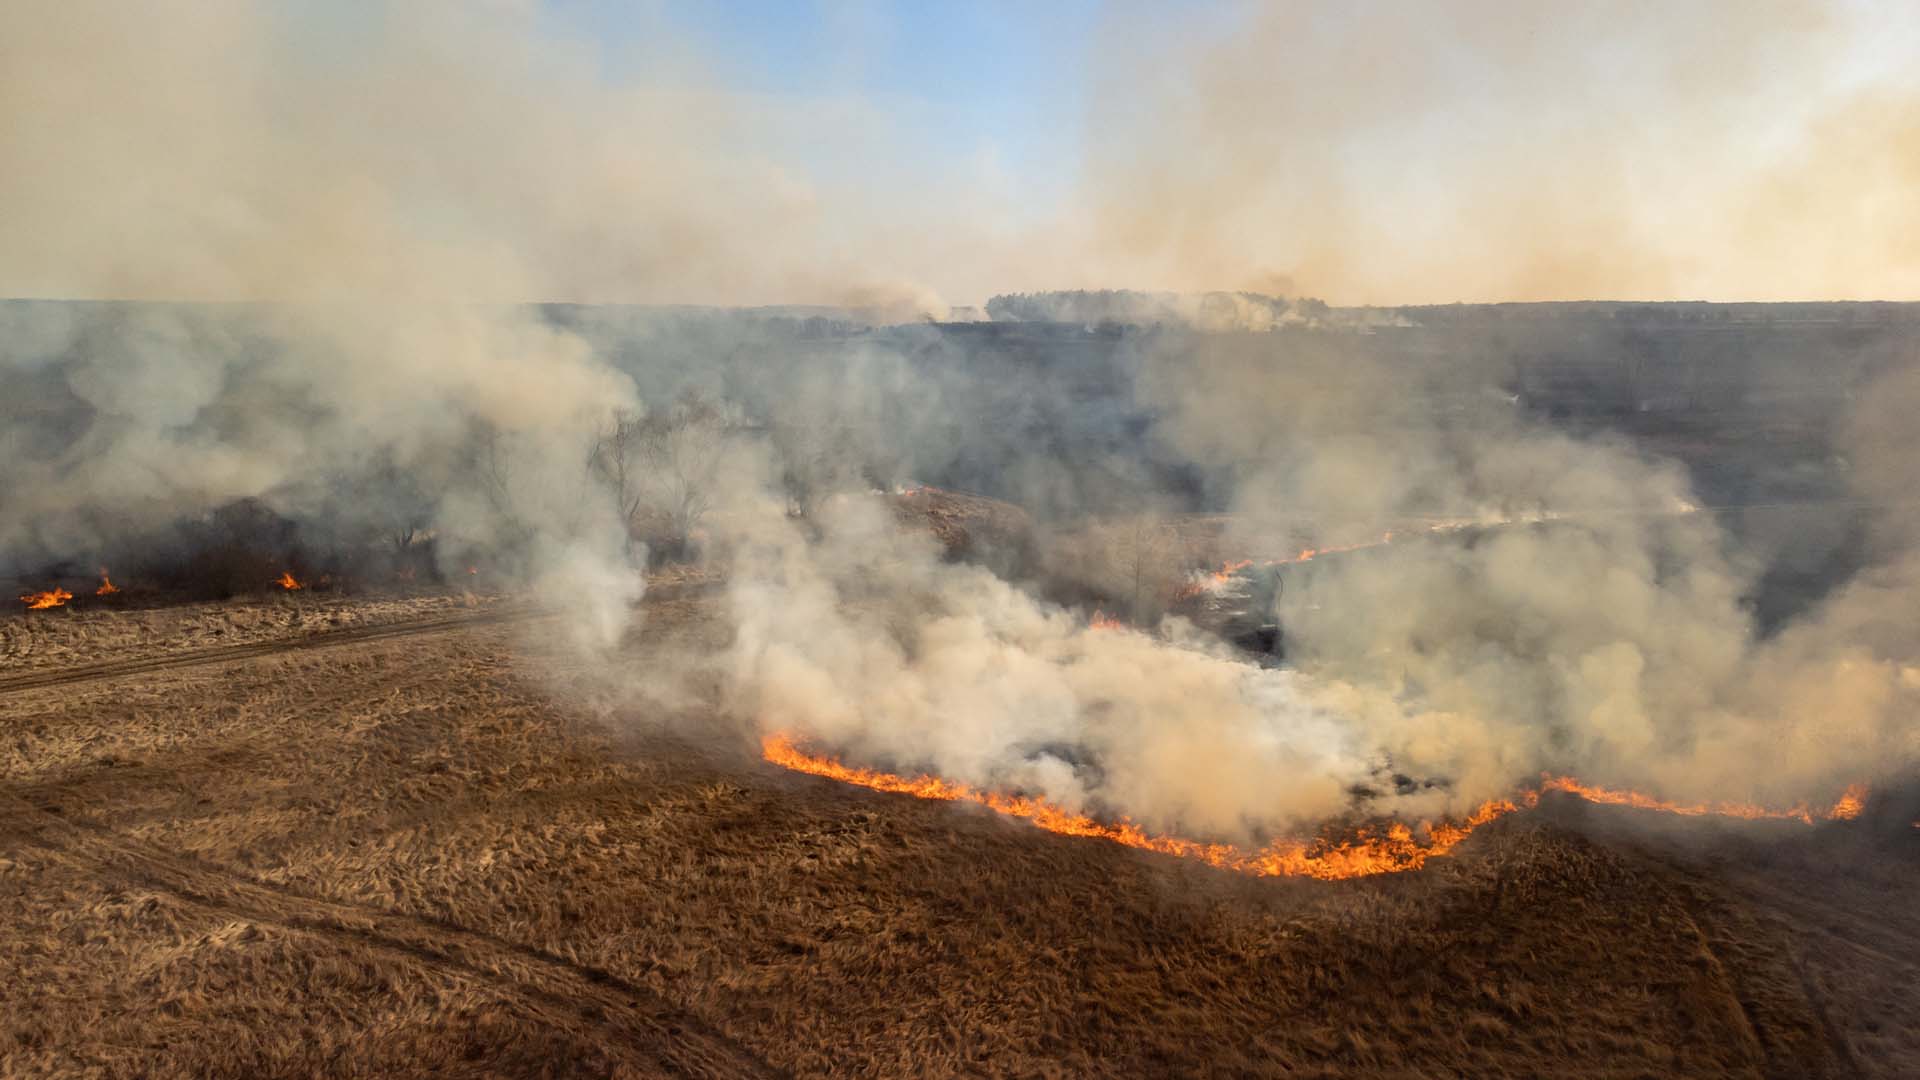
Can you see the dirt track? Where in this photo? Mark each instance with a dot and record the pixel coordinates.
(397, 855)
(221, 654)
(582, 1000)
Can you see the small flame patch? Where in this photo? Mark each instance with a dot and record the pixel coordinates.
(41, 601)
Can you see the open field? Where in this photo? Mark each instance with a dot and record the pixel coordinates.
(402, 857)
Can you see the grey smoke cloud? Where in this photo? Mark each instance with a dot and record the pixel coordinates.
(1599, 624)
(389, 202)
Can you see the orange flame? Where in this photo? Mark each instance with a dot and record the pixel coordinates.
(1393, 848)
(1370, 850)
(1308, 554)
(1103, 621)
(1210, 581)
(1851, 803)
(1226, 572)
(107, 587)
(40, 601)
(287, 582)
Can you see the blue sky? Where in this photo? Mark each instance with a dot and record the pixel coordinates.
(756, 151)
(994, 76)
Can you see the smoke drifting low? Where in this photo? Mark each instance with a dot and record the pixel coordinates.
(1600, 622)
(1580, 613)
(362, 226)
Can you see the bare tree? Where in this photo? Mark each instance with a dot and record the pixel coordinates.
(491, 468)
(615, 460)
(817, 458)
(664, 468)
(1141, 556)
(1136, 563)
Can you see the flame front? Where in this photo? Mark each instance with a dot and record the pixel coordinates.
(1851, 803)
(1103, 621)
(1390, 849)
(1370, 850)
(287, 582)
(107, 587)
(40, 601)
(1308, 554)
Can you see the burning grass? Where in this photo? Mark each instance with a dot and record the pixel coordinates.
(1381, 848)
(1384, 849)
(49, 598)
(1851, 803)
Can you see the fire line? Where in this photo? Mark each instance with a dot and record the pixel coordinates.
(1394, 848)
(1388, 850)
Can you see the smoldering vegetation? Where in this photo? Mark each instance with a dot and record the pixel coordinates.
(1659, 546)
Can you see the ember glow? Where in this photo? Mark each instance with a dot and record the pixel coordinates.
(1389, 849)
(40, 601)
(287, 582)
(107, 587)
(1392, 848)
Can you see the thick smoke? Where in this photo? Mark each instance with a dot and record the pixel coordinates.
(361, 202)
(1596, 620)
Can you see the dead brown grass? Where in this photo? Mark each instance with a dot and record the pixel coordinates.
(66, 636)
(404, 859)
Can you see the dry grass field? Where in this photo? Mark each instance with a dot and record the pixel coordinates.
(426, 855)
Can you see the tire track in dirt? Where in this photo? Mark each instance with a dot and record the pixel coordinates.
(564, 993)
(221, 654)
(1771, 904)
(1878, 938)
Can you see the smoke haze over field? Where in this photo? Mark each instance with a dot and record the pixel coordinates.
(1397, 153)
(362, 205)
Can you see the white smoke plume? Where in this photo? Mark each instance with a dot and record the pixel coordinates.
(1599, 625)
(359, 200)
